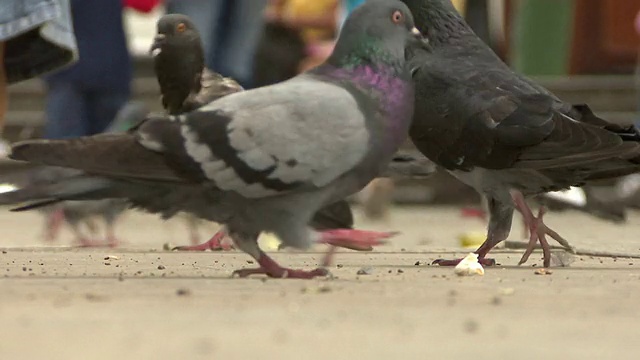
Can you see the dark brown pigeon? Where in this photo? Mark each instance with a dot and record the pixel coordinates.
(502, 133)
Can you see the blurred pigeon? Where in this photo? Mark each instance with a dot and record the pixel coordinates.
(79, 214)
(267, 159)
(186, 85)
(500, 132)
(598, 201)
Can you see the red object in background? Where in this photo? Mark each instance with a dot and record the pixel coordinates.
(144, 6)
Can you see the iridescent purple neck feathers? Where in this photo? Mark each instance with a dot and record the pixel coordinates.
(393, 94)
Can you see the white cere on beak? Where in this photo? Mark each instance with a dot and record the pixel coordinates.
(156, 52)
(415, 31)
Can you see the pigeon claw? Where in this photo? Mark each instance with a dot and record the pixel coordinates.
(271, 268)
(214, 244)
(282, 273)
(359, 240)
(538, 233)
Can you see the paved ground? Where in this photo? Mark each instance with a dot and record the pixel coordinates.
(58, 302)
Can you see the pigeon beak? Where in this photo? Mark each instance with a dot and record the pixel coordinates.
(417, 39)
(156, 47)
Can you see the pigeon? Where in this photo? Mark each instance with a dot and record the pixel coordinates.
(266, 159)
(178, 59)
(82, 213)
(186, 84)
(502, 133)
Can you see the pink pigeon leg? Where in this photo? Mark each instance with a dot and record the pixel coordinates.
(216, 243)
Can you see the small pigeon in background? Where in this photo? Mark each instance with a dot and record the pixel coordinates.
(81, 214)
(501, 133)
(178, 60)
(267, 159)
(186, 84)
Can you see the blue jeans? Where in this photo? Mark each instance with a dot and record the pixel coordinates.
(230, 31)
(39, 37)
(73, 111)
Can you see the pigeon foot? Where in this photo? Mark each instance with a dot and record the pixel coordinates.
(213, 244)
(359, 240)
(470, 212)
(538, 231)
(454, 262)
(270, 268)
(54, 222)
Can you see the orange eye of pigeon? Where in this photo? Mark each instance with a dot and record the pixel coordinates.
(397, 17)
(181, 27)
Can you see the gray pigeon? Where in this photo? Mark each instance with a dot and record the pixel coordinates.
(79, 214)
(186, 85)
(265, 159)
(500, 132)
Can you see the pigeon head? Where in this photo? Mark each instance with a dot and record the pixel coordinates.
(175, 33)
(178, 59)
(438, 20)
(377, 32)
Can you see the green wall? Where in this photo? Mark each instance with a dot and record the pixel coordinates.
(541, 38)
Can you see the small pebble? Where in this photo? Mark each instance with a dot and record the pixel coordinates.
(111, 257)
(365, 271)
(4, 251)
(496, 300)
(339, 266)
(95, 297)
(471, 326)
(107, 263)
(161, 267)
(417, 263)
(183, 292)
(400, 271)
